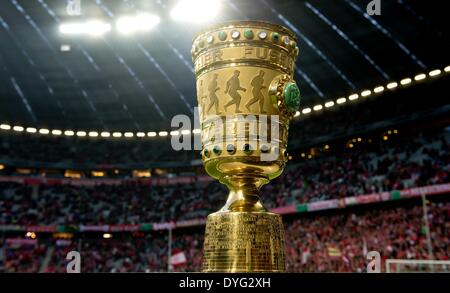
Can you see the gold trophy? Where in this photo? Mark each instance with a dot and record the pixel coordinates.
(246, 96)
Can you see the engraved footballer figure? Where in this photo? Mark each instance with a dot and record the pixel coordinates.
(233, 86)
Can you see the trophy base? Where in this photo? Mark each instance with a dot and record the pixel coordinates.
(244, 242)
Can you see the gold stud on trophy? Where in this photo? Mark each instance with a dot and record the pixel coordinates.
(246, 96)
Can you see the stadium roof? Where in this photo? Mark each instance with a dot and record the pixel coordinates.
(137, 83)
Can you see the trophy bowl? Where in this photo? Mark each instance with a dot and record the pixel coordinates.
(246, 96)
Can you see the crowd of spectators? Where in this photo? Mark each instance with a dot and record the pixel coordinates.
(105, 204)
(351, 172)
(332, 242)
(24, 259)
(340, 242)
(372, 167)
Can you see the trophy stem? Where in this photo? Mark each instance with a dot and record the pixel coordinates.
(243, 236)
(244, 193)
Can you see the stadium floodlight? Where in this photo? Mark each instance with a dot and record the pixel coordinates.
(18, 128)
(378, 89)
(141, 22)
(44, 131)
(174, 133)
(366, 93)
(195, 10)
(341, 101)
(105, 134)
(405, 81)
(97, 28)
(31, 130)
(306, 111)
(56, 132)
(140, 134)
(329, 104)
(353, 97)
(419, 77)
(65, 48)
(117, 134)
(5, 126)
(69, 133)
(93, 133)
(71, 28)
(128, 134)
(81, 133)
(297, 113)
(151, 134)
(107, 235)
(317, 107)
(447, 69)
(163, 133)
(435, 72)
(92, 28)
(196, 131)
(392, 85)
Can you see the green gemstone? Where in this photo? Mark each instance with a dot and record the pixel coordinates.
(248, 34)
(247, 148)
(222, 36)
(217, 150)
(206, 153)
(275, 37)
(291, 94)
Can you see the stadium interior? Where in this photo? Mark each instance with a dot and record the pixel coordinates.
(86, 156)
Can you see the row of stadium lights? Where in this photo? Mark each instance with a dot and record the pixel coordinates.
(304, 111)
(377, 90)
(104, 134)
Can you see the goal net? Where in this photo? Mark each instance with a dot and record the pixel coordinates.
(417, 266)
